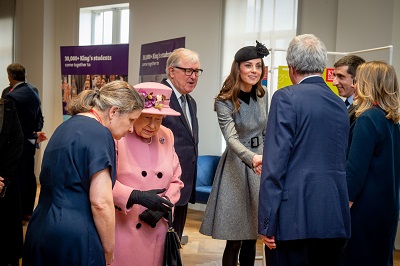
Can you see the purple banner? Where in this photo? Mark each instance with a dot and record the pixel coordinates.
(98, 59)
(153, 56)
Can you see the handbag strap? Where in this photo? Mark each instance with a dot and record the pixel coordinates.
(170, 224)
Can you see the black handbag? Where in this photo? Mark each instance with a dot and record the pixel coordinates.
(172, 255)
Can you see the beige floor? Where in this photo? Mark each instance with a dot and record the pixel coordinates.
(204, 251)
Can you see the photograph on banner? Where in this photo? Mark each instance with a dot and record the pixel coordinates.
(264, 80)
(284, 79)
(91, 67)
(153, 58)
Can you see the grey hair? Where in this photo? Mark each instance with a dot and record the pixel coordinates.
(116, 93)
(180, 54)
(307, 54)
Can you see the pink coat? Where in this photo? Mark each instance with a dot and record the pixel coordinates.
(143, 166)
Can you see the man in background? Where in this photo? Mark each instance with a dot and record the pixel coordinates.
(26, 100)
(344, 74)
(11, 145)
(183, 71)
(304, 214)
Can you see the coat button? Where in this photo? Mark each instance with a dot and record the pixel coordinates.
(159, 175)
(144, 173)
(138, 225)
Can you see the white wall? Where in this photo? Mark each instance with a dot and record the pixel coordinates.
(6, 39)
(346, 26)
(42, 26)
(52, 24)
(201, 24)
(319, 17)
(364, 24)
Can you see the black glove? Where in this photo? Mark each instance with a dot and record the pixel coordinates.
(152, 217)
(150, 200)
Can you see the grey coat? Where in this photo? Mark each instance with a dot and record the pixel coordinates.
(232, 207)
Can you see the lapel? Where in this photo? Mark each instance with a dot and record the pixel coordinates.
(351, 109)
(192, 111)
(174, 102)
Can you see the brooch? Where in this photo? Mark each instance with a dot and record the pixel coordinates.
(162, 140)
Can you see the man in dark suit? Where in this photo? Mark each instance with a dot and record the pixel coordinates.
(11, 144)
(183, 71)
(304, 216)
(344, 73)
(26, 100)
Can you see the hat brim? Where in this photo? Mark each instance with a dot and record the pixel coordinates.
(163, 111)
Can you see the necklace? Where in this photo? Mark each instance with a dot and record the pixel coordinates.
(96, 115)
(148, 141)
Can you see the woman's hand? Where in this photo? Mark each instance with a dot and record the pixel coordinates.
(1, 184)
(109, 258)
(257, 164)
(41, 136)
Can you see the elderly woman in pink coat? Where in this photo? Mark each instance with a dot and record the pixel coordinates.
(147, 162)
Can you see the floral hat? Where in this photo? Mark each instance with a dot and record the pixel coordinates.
(156, 98)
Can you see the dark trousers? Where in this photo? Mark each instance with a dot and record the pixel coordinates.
(307, 252)
(247, 252)
(10, 264)
(27, 178)
(180, 214)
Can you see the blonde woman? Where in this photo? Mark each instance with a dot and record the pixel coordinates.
(373, 166)
(74, 221)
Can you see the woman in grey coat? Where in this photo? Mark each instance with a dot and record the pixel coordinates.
(241, 106)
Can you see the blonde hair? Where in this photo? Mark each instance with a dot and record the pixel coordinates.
(116, 93)
(377, 85)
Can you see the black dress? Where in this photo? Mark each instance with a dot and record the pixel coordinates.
(62, 230)
(11, 144)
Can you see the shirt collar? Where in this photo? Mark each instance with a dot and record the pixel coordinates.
(177, 93)
(311, 76)
(351, 99)
(17, 85)
(245, 96)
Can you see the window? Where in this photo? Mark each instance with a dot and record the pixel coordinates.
(104, 25)
(271, 22)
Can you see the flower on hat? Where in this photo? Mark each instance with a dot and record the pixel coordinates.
(261, 49)
(151, 100)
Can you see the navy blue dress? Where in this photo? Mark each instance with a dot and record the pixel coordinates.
(373, 179)
(62, 230)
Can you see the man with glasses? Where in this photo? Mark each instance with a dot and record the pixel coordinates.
(183, 71)
(345, 73)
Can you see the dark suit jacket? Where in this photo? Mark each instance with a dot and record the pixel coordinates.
(26, 100)
(303, 191)
(352, 113)
(11, 145)
(186, 145)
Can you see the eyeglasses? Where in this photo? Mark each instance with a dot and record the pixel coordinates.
(190, 71)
